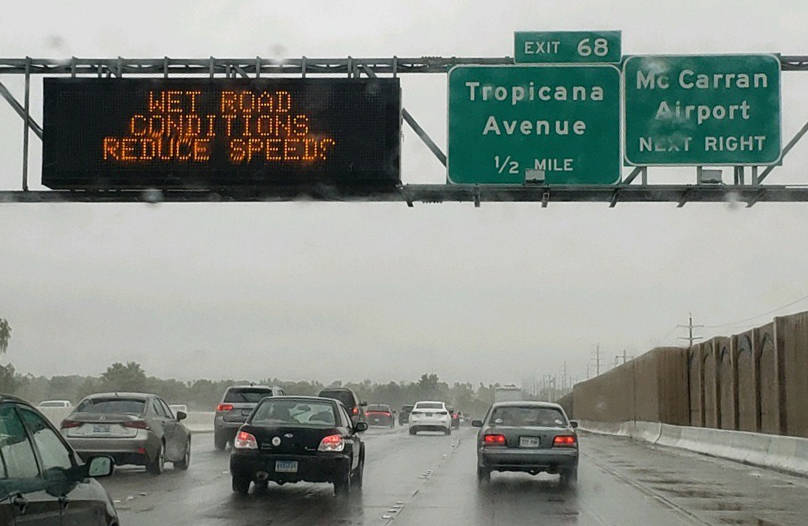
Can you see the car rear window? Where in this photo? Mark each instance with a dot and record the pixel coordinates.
(291, 412)
(519, 416)
(378, 408)
(130, 406)
(53, 404)
(429, 405)
(343, 396)
(241, 395)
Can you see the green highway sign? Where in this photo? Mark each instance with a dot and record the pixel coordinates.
(567, 46)
(702, 110)
(555, 124)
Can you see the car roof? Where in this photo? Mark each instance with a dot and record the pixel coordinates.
(254, 386)
(527, 403)
(429, 402)
(120, 394)
(11, 398)
(302, 399)
(324, 389)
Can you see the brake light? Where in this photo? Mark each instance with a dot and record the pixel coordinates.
(224, 407)
(136, 424)
(332, 443)
(565, 441)
(355, 410)
(245, 440)
(494, 440)
(66, 424)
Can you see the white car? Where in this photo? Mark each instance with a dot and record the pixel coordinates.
(430, 416)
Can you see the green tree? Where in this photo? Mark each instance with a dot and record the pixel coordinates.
(120, 377)
(5, 335)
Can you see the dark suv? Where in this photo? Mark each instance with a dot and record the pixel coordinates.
(349, 400)
(237, 404)
(42, 478)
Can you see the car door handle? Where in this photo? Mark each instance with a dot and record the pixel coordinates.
(19, 502)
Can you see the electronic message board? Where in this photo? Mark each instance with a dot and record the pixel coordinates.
(274, 133)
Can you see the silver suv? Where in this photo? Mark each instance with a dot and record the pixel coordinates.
(237, 404)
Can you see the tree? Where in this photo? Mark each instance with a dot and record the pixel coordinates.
(5, 335)
(120, 377)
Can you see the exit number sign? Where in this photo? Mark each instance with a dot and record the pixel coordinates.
(567, 46)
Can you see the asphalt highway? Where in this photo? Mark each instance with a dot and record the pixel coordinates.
(430, 479)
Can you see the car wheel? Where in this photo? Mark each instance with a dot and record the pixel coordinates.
(483, 475)
(219, 441)
(241, 484)
(186, 460)
(342, 486)
(360, 470)
(156, 466)
(569, 478)
(413, 431)
(448, 431)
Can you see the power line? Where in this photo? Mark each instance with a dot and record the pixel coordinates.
(690, 338)
(757, 315)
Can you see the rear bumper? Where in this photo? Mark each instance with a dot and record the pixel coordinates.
(223, 427)
(380, 421)
(509, 459)
(138, 450)
(423, 424)
(310, 468)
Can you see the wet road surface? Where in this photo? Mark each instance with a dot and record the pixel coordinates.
(430, 479)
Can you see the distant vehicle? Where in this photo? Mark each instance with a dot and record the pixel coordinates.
(430, 416)
(34, 456)
(455, 418)
(380, 415)
(298, 438)
(55, 403)
(349, 400)
(508, 393)
(531, 437)
(404, 414)
(238, 401)
(178, 407)
(132, 428)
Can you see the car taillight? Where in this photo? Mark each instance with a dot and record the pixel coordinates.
(224, 407)
(494, 440)
(355, 410)
(565, 441)
(386, 413)
(136, 424)
(442, 413)
(66, 424)
(332, 443)
(245, 440)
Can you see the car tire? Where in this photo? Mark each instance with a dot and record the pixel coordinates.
(158, 464)
(413, 431)
(219, 441)
(569, 478)
(483, 475)
(186, 460)
(241, 484)
(342, 486)
(448, 431)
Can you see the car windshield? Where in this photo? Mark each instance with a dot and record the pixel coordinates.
(429, 405)
(129, 406)
(278, 412)
(525, 416)
(246, 395)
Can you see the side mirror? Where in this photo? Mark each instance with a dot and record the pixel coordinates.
(476, 423)
(100, 467)
(574, 424)
(181, 415)
(360, 426)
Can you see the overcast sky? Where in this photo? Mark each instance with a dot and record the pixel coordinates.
(383, 291)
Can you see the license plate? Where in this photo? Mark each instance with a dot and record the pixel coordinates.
(101, 428)
(286, 466)
(528, 442)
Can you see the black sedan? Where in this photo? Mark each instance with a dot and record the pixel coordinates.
(42, 480)
(298, 438)
(530, 437)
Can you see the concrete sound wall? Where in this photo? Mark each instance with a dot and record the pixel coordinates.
(727, 383)
(747, 354)
(770, 384)
(608, 397)
(709, 364)
(792, 336)
(696, 385)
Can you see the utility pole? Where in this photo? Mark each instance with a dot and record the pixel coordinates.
(690, 326)
(597, 360)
